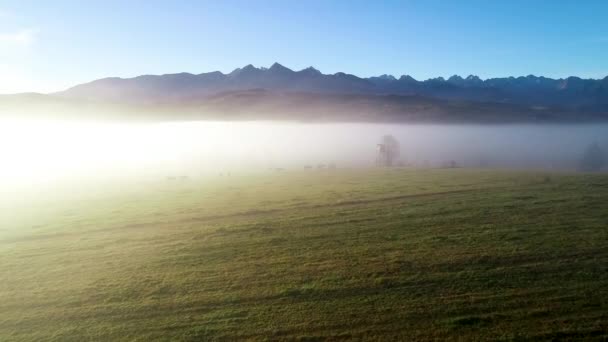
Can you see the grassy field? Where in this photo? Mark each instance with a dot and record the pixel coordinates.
(319, 255)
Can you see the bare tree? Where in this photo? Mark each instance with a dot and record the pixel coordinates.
(388, 151)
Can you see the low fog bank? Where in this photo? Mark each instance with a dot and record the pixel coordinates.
(34, 152)
(263, 104)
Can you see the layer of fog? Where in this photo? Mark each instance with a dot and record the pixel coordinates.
(37, 152)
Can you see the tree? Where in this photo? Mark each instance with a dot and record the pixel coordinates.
(388, 151)
(593, 158)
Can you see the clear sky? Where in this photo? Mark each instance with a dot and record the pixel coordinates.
(51, 45)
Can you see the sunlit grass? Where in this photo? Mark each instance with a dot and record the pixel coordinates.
(343, 254)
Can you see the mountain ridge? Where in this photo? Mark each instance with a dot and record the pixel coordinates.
(571, 92)
(279, 93)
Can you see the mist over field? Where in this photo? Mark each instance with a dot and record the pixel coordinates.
(36, 152)
(239, 170)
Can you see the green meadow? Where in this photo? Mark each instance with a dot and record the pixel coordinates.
(376, 254)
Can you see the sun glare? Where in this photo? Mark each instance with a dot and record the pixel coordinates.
(35, 152)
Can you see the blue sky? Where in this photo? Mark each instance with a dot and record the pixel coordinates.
(51, 45)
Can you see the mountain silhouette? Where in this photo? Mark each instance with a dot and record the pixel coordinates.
(571, 92)
(279, 93)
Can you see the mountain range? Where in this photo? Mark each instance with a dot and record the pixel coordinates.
(279, 93)
(571, 92)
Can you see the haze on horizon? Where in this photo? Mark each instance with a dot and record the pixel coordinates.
(52, 47)
(38, 154)
(146, 196)
(424, 39)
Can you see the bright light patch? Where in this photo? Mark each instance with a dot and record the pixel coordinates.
(34, 152)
